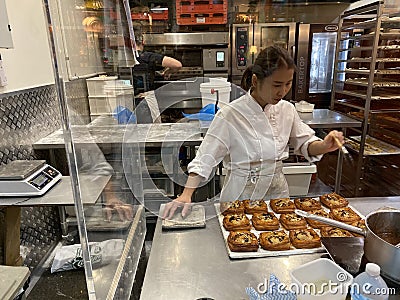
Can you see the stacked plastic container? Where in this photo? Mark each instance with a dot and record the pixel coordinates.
(201, 12)
(106, 93)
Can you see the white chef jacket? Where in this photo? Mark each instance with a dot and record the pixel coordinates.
(252, 142)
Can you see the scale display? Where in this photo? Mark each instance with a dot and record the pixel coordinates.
(29, 178)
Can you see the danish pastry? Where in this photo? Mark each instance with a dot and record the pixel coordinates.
(242, 241)
(329, 231)
(235, 207)
(333, 200)
(236, 222)
(282, 206)
(344, 214)
(317, 224)
(292, 221)
(304, 238)
(265, 221)
(274, 240)
(307, 204)
(255, 206)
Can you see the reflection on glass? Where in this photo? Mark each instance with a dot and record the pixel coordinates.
(322, 62)
(277, 35)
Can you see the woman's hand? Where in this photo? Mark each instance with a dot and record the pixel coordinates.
(113, 204)
(333, 141)
(183, 201)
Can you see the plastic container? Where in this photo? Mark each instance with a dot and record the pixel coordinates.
(209, 97)
(96, 85)
(304, 107)
(320, 279)
(369, 285)
(298, 177)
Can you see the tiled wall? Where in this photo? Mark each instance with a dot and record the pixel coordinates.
(25, 117)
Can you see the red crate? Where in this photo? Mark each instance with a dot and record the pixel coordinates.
(156, 15)
(201, 18)
(201, 6)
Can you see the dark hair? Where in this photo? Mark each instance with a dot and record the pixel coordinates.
(268, 60)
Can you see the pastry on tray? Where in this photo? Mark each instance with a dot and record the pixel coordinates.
(265, 221)
(317, 224)
(255, 206)
(282, 205)
(307, 204)
(274, 240)
(235, 207)
(329, 231)
(236, 222)
(304, 238)
(292, 221)
(359, 224)
(333, 200)
(344, 214)
(242, 241)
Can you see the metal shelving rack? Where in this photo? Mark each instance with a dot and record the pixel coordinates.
(367, 76)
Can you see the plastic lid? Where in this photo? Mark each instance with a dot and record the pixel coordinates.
(373, 269)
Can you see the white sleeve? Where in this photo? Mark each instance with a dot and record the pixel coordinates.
(301, 136)
(213, 148)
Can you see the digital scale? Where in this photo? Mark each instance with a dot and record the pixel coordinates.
(27, 178)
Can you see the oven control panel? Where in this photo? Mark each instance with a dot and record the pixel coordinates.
(242, 42)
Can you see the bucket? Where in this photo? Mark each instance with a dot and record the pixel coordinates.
(208, 94)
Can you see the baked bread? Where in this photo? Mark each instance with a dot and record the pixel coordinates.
(359, 224)
(333, 200)
(242, 241)
(274, 240)
(304, 238)
(292, 221)
(236, 222)
(344, 214)
(307, 204)
(265, 221)
(255, 206)
(235, 207)
(282, 206)
(317, 224)
(329, 231)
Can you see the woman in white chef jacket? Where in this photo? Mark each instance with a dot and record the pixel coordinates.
(252, 135)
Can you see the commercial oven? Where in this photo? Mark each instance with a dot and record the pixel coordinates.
(248, 40)
(315, 58)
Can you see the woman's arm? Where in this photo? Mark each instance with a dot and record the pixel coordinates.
(172, 63)
(328, 144)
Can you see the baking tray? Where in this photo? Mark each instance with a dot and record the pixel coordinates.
(266, 253)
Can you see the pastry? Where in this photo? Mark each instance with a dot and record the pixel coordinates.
(317, 224)
(359, 224)
(242, 241)
(236, 222)
(344, 214)
(282, 206)
(292, 221)
(265, 221)
(307, 204)
(304, 238)
(274, 240)
(333, 200)
(329, 231)
(254, 206)
(235, 207)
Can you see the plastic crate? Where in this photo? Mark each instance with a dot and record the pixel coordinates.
(201, 18)
(155, 15)
(201, 6)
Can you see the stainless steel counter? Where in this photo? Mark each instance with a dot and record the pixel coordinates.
(325, 118)
(190, 264)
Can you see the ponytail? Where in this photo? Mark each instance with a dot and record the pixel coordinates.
(246, 78)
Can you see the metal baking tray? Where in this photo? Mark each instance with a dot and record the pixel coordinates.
(372, 146)
(266, 253)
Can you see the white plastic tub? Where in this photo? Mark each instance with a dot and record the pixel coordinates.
(221, 85)
(96, 85)
(320, 279)
(298, 177)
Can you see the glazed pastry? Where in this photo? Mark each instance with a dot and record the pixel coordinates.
(242, 241)
(359, 224)
(282, 206)
(255, 206)
(333, 200)
(304, 238)
(265, 221)
(344, 214)
(235, 207)
(274, 240)
(329, 231)
(292, 221)
(236, 222)
(317, 224)
(307, 204)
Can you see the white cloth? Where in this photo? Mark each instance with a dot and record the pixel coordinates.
(251, 141)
